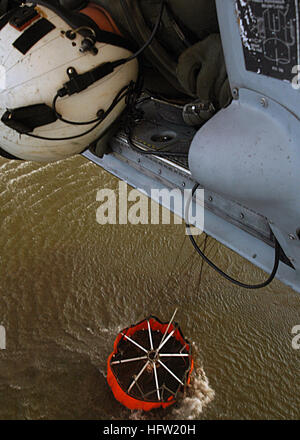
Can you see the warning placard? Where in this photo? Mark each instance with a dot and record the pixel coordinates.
(270, 36)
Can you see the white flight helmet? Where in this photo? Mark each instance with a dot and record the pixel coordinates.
(64, 78)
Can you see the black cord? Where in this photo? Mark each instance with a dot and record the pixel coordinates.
(35, 136)
(59, 116)
(99, 118)
(223, 274)
(151, 38)
(115, 102)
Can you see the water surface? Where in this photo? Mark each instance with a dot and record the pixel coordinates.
(68, 285)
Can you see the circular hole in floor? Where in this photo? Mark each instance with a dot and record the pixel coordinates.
(162, 137)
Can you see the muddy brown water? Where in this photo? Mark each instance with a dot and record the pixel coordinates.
(69, 285)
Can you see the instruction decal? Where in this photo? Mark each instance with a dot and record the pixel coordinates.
(270, 36)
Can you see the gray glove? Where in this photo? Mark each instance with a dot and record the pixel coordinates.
(201, 71)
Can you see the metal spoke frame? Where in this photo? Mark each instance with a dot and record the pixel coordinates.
(153, 358)
(135, 343)
(124, 361)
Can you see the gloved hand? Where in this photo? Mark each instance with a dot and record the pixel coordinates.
(201, 71)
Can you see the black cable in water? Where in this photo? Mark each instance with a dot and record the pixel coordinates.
(220, 271)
